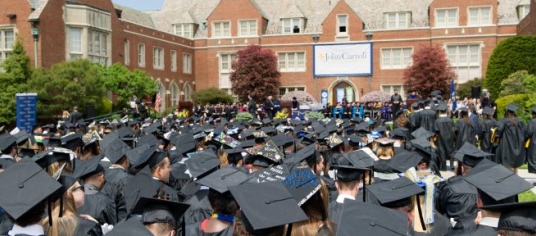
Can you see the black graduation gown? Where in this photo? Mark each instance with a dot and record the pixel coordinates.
(172, 193)
(465, 132)
(414, 120)
(87, 228)
(5, 224)
(427, 119)
(441, 226)
(445, 142)
(335, 211)
(469, 228)
(485, 139)
(101, 207)
(195, 230)
(199, 209)
(116, 179)
(511, 149)
(531, 151)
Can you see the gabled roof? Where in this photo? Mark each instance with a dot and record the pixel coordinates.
(38, 6)
(186, 18)
(293, 12)
(135, 16)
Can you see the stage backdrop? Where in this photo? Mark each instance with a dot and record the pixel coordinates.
(342, 59)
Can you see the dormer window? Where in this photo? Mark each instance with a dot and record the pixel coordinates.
(523, 10)
(184, 30)
(397, 20)
(293, 25)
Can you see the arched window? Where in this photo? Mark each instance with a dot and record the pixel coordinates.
(175, 94)
(160, 101)
(187, 92)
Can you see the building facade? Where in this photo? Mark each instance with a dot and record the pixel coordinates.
(191, 44)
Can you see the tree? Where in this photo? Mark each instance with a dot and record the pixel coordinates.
(514, 84)
(13, 80)
(211, 95)
(67, 84)
(123, 82)
(430, 71)
(255, 73)
(511, 55)
(464, 90)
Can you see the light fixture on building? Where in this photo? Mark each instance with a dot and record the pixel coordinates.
(316, 38)
(11, 15)
(369, 35)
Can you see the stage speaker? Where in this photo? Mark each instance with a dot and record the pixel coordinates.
(475, 92)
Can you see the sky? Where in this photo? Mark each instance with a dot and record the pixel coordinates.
(142, 5)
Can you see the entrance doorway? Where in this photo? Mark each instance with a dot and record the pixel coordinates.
(341, 90)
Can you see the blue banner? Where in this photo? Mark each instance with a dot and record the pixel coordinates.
(26, 111)
(324, 97)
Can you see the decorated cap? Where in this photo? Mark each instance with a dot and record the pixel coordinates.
(302, 184)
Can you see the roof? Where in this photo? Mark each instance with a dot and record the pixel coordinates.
(38, 6)
(135, 16)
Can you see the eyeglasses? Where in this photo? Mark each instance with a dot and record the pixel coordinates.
(81, 187)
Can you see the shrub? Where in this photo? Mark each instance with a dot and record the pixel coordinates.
(514, 83)
(464, 90)
(301, 96)
(511, 55)
(212, 96)
(314, 115)
(244, 116)
(523, 101)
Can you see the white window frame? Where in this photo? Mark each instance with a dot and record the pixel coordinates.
(185, 30)
(398, 16)
(222, 33)
(158, 58)
(291, 66)
(447, 18)
(5, 49)
(175, 93)
(288, 89)
(405, 61)
(76, 51)
(465, 62)
(400, 88)
(480, 20)
(187, 91)
(251, 31)
(186, 63)
(225, 71)
(141, 54)
(338, 29)
(290, 23)
(173, 55)
(523, 10)
(126, 54)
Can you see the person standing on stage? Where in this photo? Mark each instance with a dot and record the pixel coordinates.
(396, 99)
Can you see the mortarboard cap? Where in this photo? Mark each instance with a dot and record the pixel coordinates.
(307, 153)
(380, 129)
(149, 139)
(132, 226)
(283, 140)
(155, 210)
(139, 156)
(247, 144)
(117, 150)
(422, 133)
(368, 219)
(488, 111)
(276, 173)
(415, 105)
(355, 140)
(220, 180)
(334, 140)
(471, 154)
(26, 152)
(403, 161)
(302, 184)
(201, 163)
(107, 139)
(266, 206)
(24, 185)
(399, 133)
(184, 143)
(346, 171)
(435, 93)
(235, 154)
(395, 193)
(7, 141)
(442, 107)
(88, 168)
(386, 142)
(90, 138)
(142, 185)
(21, 137)
(270, 151)
(511, 107)
(519, 217)
(47, 157)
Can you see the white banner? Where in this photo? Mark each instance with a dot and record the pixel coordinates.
(343, 59)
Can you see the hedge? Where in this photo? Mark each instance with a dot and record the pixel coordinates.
(523, 101)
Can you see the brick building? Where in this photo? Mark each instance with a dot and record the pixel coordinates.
(190, 44)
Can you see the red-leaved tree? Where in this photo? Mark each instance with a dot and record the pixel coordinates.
(430, 71)
(255, 73)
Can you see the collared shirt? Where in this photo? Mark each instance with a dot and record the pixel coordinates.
(342, 196)
(34, 229)
(490, 221)
(6, 157)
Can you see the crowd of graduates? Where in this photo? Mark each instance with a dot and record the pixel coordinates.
(210, 174)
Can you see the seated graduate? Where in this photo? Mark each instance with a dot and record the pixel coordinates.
(24, 189)
(366, 219)
(160, 217)
(517, 219)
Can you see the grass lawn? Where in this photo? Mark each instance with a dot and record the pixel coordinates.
(524, 167)
(527, 196)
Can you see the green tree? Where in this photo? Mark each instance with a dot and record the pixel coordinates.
(211, 95)
(123, 82)
(255, 73)
(16, 73)
(67, 84)
(464, 90)
(514, 84)
(511, 55)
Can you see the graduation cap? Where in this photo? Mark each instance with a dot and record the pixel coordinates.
(395, 193)
(380, 129)
(363, 158)
(422, 133)
(520, 217)
(227, 140)
(269, 131)
(117, 150)
(276, 173)
(488, 111)
(442, 107)
(88, 167)
(266, 206)
(334, 140)
(399, 133)
(184, 143)
(47, 157)
(151, 129)
(27, 152)
(21, 136)
(159, 211)
(403, 161)
(415, 105)
(435, 93)
(247, 144)
(90, 138)
(132, 226)
(307, 153)
(368, 219)
(149, 139)
(511, 107)
(235, 154)
(270, 151)
(385, 142)
(142, 185)
(7, 141)
(282, 140)
(123, 132)
(139, 156)
(470, 155)
(496, 181)
(355, 140)
(23, 186)
(302, 184)
(346, 171)
(220, 180)
(201, 163)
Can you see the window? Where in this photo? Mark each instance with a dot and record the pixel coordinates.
(7, 37)
(186, 63)
(173, 60)
(158, 58)
(184, 30)
(98, 46)
(127, 52)
(397, 20)
(292, 25)
(187, 92)
(226, 61)
(283, 90)
(465, 60)
(446, 18)
(390, 89)
(221, 29)
(230, 92)
(75, 43)
(247, 27)
(342, 24)
(291, 61)
(141, 55)
(175, 94)
(396, 58)
(523, 10)
(479, 16)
